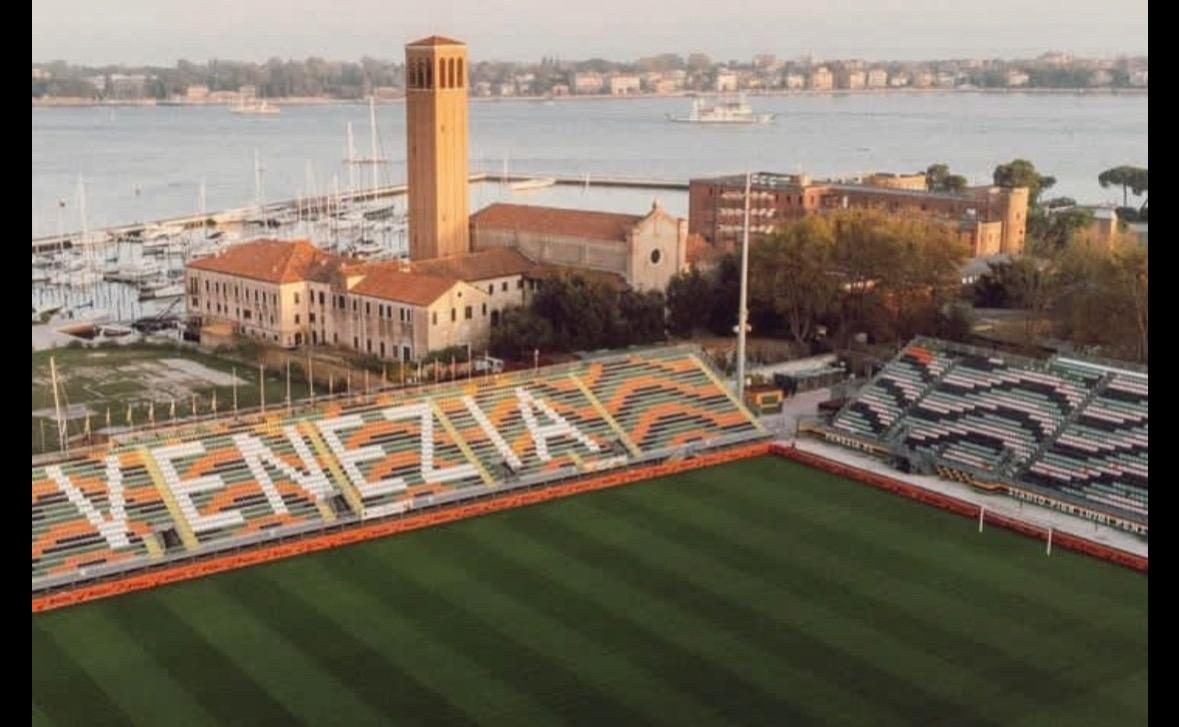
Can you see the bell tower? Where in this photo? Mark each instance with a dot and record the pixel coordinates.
(436, 136)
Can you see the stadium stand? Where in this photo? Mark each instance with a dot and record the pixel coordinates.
(227, 484)
(1064, 429)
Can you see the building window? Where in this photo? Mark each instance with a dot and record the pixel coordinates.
(382, 349)
(484, 309)
(246, 314)
(321, 297)
(335, 338)
(467, 313)
(311, 318)
(206, 286)
(491, 289)
(453, 315)
(355, 342)
(368, 345)
(296, 319)
(368, 311)
(353, 306)
(504, 286)
(519, 284)
(655, 256)
(296, 299)
(461, 83)
(435, 317)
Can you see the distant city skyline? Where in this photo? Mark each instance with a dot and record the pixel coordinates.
(145, 32)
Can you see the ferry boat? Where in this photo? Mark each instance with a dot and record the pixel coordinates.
(261, 108)
(722, 112)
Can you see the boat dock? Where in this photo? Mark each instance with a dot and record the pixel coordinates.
(237, 216)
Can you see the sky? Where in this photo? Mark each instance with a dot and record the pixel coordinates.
(160, 32)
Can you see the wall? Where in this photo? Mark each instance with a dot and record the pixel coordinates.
(271, 317)
(658, 250)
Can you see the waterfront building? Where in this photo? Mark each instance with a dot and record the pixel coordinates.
(642, 251)
(989, 219)
(822, 79)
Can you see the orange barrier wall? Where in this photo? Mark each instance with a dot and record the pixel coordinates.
(962, 507)
(216, 564)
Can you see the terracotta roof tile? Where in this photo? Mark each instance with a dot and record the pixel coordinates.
(614, 281)
(271, 261)
(496, 262)
(390, 282)
(437, 40)
(556, 221)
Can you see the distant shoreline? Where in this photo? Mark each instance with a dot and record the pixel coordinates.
(325, 101)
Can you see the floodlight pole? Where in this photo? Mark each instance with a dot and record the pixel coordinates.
(742, 306)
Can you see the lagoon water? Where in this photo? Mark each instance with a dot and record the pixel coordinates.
(148, 163)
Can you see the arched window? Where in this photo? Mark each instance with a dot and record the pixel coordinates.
(450, 72)
(429, 76)
(462, 81)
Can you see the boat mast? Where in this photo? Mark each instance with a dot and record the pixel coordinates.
(257, 180)
(372, 122)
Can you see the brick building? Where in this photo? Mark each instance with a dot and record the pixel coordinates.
(990, 219)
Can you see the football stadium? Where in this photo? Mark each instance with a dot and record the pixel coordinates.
(615, 539)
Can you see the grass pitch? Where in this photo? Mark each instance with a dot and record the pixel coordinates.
(113, 377)
(762, 592)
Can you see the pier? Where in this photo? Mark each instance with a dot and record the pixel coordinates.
(244, 214)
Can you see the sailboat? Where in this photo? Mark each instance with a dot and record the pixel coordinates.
(372, 123)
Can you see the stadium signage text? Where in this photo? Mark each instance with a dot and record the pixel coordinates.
(249, 456)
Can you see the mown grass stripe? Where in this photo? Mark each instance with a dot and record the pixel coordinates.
(143, 689)
(504, 625)
(713, 694)
(215, 680)
(1011, 570)
(62, 690)
(1005, 671)
(833, 649)
(278, 664)
(806, 494)
(364, 670)
(483, 696)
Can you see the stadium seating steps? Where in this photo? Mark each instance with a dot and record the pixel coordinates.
(221, 484)
(1064, 425)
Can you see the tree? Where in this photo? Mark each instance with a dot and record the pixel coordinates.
(791, 274)
(519, 333)
(939, 179)
(1103, 296)
(725, 286)
(1129, 178)
(1022, 173)
(643, 317)
(689, 300)
(1053, 231)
